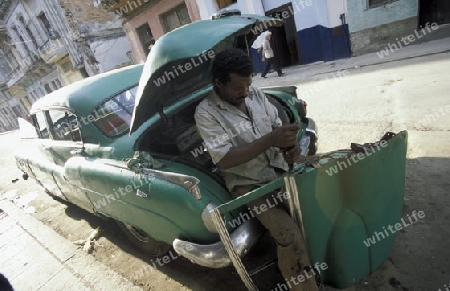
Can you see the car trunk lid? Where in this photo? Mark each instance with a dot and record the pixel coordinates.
(180, 61)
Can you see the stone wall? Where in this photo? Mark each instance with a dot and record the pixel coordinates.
(376, 38)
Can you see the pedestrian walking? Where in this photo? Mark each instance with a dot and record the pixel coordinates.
(269, 56)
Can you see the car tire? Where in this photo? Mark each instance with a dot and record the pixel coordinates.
(143, 241)
(312, 149)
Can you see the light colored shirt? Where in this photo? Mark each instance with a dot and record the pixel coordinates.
(268, 51)
(223, 126)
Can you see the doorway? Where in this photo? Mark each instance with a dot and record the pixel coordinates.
(285, 38)
(434, 11)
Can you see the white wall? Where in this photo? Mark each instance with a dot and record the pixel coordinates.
(307, 13)
(207, 8)
(111, 53)
(335, 9)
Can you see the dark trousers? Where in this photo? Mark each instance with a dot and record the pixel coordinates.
(274, 63)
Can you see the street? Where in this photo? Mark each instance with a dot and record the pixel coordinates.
(355, 104)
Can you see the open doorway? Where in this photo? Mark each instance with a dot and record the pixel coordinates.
(285, 38)
(434, 11)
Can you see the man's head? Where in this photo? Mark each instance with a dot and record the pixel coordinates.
(268, 35)
(232, 75)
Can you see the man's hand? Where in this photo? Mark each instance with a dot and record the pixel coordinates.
(284, 136)
(292, 156)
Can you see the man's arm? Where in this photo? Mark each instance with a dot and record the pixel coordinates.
(225, 155)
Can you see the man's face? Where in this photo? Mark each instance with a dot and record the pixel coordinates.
(236, 90)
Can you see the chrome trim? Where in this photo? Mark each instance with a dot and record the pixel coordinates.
(311, 130)
(215, 255)
(294, 203)
(207, 217)
(141, 193)
(219, 222)
(189, 183)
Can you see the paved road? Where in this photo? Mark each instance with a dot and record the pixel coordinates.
(371, 99)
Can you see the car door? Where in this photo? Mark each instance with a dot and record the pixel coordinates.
(66, 144)
(340, 201)
(39, 156)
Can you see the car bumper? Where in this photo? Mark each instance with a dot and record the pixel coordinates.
(215, 255)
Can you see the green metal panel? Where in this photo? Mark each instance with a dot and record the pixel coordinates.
(163, 83)
(345, 208)
(83, 96)
(168, 212)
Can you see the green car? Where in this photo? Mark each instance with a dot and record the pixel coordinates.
(124, 145)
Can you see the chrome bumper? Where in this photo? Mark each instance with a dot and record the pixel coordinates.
(215, 255)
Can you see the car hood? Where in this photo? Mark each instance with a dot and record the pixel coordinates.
(180, 62)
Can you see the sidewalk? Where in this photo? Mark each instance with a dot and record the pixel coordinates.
(35, 257)
(315, 71)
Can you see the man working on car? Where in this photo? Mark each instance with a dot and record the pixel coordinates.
(248, 152)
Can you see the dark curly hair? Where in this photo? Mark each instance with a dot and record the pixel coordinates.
(231, 61)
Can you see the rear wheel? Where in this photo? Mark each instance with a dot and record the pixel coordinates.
(143, 241)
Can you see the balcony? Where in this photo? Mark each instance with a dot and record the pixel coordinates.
(53, 50)
(15, 75)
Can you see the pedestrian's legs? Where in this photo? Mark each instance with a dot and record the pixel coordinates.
(266, 68)
(291, 250)
(274, 62)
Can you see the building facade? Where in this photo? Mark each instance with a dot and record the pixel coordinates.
(46, 44)
(314, 30)
(144, 21)
(373, 24)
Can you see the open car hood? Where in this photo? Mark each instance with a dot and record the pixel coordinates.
(180, 62)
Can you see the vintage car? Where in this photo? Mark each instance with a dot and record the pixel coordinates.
(124, 145)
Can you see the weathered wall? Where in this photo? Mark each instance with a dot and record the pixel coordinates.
(100, 34)
(374, 39)
(373, 28)
(151, 15)
(360, 17)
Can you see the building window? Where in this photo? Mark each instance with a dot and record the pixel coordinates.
(58, 82)
(53, 34)
(21, 40)
(33, 39)
(175, 18)
(47, 88)
(43, 18)
(55, 85)
(225, 3)
(145, 36)
(378, 3)
(18, 111)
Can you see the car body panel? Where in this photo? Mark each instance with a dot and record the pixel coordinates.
(342, 210)
(171, 51)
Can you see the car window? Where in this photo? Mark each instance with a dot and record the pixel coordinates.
(41, 125)
(64, 125)
(114, 115)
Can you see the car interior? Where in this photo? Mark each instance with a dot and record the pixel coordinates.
(175, 138)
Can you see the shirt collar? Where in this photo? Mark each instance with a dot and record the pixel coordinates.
(225, 105)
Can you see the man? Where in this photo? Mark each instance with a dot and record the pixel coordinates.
(244, 135)
(269, 57)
